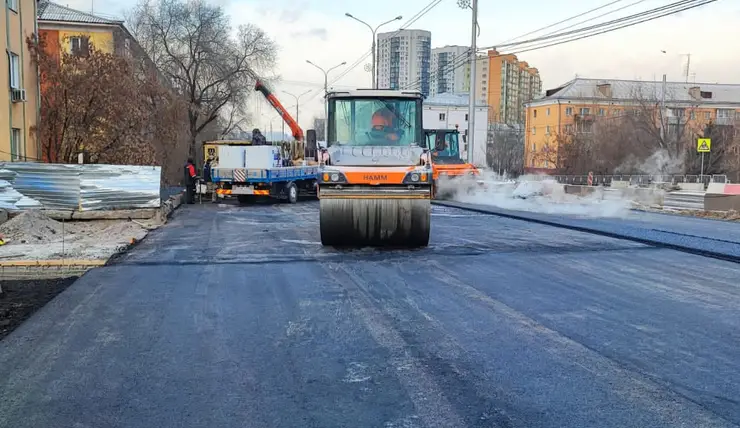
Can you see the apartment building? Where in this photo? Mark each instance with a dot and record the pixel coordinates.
(506, 84)
(450, 71)
(74, 31)
(404, 60)
(575, 106)
(19, 110)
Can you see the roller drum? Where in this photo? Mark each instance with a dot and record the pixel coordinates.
(375, 222)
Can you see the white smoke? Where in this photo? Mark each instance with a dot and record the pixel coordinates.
(534, 194)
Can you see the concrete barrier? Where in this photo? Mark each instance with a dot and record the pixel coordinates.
(722, 197)
(691, 187)
(642, 195)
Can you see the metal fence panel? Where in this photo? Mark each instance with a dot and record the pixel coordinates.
(55, 186)
(105, 187)
(87, 187)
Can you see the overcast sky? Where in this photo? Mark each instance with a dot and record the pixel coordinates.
(319, 31)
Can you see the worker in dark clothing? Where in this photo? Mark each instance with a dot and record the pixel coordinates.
(190, 182)
(207, 170)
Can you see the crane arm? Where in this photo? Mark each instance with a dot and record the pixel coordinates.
(275, 103)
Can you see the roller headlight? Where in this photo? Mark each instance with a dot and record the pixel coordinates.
(414, 177)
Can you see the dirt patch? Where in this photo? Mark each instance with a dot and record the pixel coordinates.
(20, 299)
(32, 227)
(34, 236)
(719, 215)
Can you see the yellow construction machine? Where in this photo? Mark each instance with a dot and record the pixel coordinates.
(375, 174)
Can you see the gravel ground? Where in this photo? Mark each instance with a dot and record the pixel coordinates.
(20, 299)
(33, 236)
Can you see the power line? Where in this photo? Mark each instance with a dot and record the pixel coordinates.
(598, 16)
(431, 5)
(564, 21)
(589, 31)
(694, 4)
(362, 58)
(656, 10)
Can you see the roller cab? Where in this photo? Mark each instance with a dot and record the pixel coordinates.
(444, 152)
(375, 173)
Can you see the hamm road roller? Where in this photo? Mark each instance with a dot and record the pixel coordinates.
(375, 173)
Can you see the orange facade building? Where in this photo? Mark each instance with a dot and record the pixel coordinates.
(575, 106)
(506, 85)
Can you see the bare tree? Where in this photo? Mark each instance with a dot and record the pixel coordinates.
(643, 135)
(505, 149)
(191, 42)
(318, 125)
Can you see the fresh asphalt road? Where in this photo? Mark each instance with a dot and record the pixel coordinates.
(237, 317)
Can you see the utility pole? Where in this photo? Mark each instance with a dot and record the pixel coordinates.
(473, 5)
(374, 44)
(688, 66)
(662, 110)
(326, 91)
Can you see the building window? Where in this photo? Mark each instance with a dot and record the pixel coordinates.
(547, 163)
(693, 115)
(13, 5)
(602, 112)
(14, 70)
(534, 112)
(707, 115)
(616, 112)
(79, 46)
(569, 111)
(441, 116)
(547, 130)
(547, 112)
(534, 130)
(466, 117)
(534, 147)
(585, 111)
(15, 145)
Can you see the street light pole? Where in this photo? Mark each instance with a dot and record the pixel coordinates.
(374, 45)
(297, 98)
(326, 91)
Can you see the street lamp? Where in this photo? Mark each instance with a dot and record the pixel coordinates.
(326, 91)
(297, 98)
(398, 18)
(326, 74)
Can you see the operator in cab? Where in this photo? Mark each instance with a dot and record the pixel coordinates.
(383, 126)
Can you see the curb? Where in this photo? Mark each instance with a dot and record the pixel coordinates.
(651, 242)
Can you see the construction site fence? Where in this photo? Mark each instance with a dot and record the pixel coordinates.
(29, 185)
(634, 180)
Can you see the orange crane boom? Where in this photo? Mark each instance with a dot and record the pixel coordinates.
(295, 129)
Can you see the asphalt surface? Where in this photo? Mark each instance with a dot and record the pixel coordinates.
(237, 317)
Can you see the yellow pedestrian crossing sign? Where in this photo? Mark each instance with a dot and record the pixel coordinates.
(704, 145)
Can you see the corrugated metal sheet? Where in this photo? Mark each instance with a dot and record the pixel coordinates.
(11, 199)
(119, 187)
(56, 186)
(87, 187)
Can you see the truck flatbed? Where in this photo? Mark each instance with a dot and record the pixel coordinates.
(266, 175)
(284, 183)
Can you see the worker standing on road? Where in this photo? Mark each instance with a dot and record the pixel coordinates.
(190, 181)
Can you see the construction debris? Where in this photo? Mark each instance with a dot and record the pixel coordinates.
(34, 236)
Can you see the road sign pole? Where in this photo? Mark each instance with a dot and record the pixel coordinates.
(702, 165)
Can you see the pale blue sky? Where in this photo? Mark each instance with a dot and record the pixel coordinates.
(318, 30)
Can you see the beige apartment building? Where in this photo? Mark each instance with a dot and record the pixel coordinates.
(19, 107)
